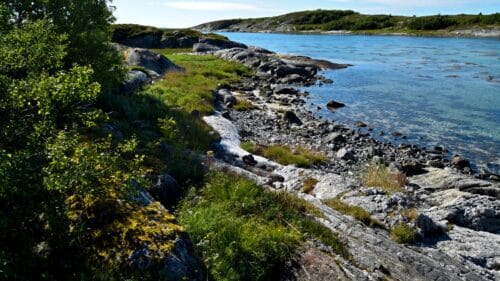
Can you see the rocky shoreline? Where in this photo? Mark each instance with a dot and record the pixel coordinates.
(457, 214)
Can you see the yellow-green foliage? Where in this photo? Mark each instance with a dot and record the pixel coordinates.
(410, 214)
(285, 155)
(242, 104)
(192, 90)
(403, 233)
(244, 232)
(309, 185)
(378, 175)
(354, 211)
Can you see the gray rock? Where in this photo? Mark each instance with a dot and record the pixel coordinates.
(204, 47)
(291, 117)
(222, 44)
(460, 162)
(334, 105)
(167, 190)
(427, 226)
(151, 61)
(135, 80)
(335, 137)
(345, 154)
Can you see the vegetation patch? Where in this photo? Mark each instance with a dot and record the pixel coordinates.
(403, 233)
(355, 211)
(378, 175)
(309, 185)
(242, 104)
(300, 156)
(246, 233)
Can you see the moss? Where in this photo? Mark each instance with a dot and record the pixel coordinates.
(355, 211)
(403, 233)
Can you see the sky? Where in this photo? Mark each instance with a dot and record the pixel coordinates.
(187, 13)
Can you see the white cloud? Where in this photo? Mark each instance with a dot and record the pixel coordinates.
(210, 6)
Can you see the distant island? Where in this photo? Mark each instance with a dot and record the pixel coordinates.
(348, 21)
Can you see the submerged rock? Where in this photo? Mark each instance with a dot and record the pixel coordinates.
(334, 105)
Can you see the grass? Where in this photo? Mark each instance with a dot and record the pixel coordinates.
(246, 233)
(411, 214)
(242, 104)
(355, 211)
(378, 175)
(192, 89)
(403, 234)
(300, 156)
(309, 185)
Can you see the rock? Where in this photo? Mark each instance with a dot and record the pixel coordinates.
(334, 105)
(169, 42)
(204, 47)
(345, 154)
(226, 97)
(284, 71)
(412, 168)
(135, 80)
(151, 61)
(249, 160)
(291, 117)
(427, 226)
(328, 81)
(397, 134)
(187, 41)
(361, 124)
(286, 91)
(460, 163)
(222, 44)
(227, 115)
(335, 137)
(167, 190)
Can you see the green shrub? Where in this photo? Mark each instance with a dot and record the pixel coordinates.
(403, 233)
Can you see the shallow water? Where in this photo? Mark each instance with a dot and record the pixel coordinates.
(436, 91)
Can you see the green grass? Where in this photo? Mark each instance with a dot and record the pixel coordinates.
(403, 234)
(378, 175)
(300, 156)
(246, 233)
(355, 211)
(242, 104)
(192, 90)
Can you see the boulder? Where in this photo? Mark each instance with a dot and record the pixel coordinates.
(427, 226)
(412, 168)
(222, 44)
(226, 97)
(204, 47)
(135, 80)
(167, 190)
(345, 154)
(335, 137)
(460, 162)
(151, 61)
(291, 117)
(169, 42)
(334, 105)
(249, 160)
(283, 71)
(361, 124)
(187, 41)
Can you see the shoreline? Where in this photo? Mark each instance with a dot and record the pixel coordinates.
(466, 34)
(444, 199)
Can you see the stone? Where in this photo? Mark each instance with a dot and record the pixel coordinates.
(334, 105)
(249, 160)
(291, 117)
(151, 61)
(412, 168)
(460, 162)
(361, 124)
(204, 47)
(335, 137)
(167, 190)
(135, 80)
(427, 226)
(345, 154)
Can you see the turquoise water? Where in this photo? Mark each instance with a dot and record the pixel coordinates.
(436, 91)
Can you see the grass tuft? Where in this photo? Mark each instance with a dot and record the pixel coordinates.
(309, 185)
(242, 104)
(403, 233)
(378, 175)
(355, 211)
(246, 233)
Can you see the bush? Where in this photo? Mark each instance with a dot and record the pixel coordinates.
(403, 234)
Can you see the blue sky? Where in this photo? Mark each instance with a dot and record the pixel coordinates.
(177, 13)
